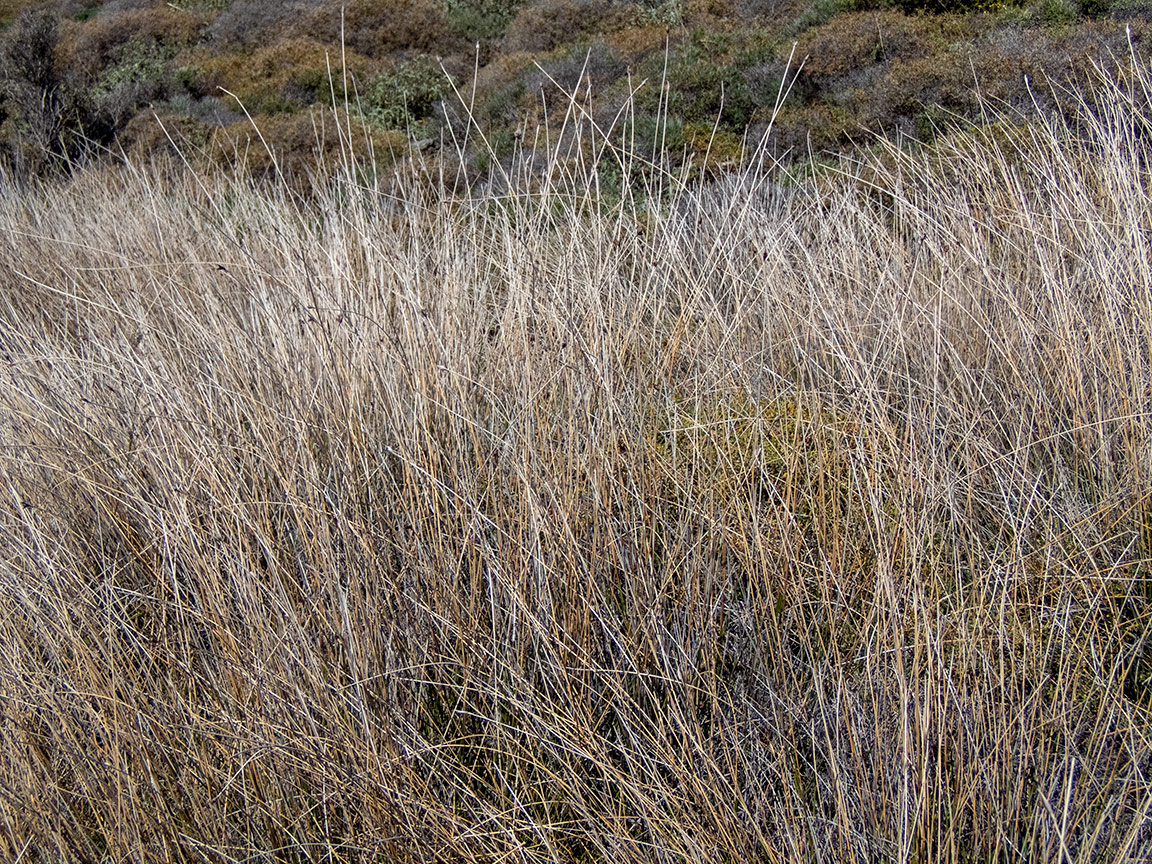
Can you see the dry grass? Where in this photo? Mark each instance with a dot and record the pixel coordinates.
(771, 520)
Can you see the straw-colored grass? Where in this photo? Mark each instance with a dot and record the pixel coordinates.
(770, 519)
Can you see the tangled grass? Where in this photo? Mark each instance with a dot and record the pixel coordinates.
(768, 519)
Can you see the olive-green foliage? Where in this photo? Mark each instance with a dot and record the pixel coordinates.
(1058, 12)
(480, 19)
(956, 6)
(142, 74)
(822, 11)
(669, 13)
(708, 79)
(404, 97)
(86, 13)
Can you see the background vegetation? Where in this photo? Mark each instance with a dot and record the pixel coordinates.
(87, 78)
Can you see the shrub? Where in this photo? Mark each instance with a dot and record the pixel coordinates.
(502, 91)
(666, 14)
(956, 6)
(635, 42)
(293, 148)
(706, 78)
(546, 24)
(713, 150)
(45, 115)
(1055, 13)
(201, 5)
(480, 19)
(852, 43)
(141, 74)
(377, 28)
(284, 77)
(101, 41)
(404, 97)
(147, 136)
(260, 22)
(11, 9)
(822, 11)
(574, 67)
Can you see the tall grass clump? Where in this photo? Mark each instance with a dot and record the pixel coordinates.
(769, 519)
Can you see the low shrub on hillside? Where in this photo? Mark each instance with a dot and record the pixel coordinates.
(101, 41)
(260, 22)
(547, 24)
(47, 119)
(379, 28)
(706, 79)
(295, 149)
(405, 97)
(480, 19)
(851, 45)
(286, 76)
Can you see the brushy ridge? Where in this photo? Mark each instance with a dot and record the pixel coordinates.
(775, 518)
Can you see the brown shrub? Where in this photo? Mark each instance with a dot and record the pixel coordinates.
(147, 135)
(88, 48)
(886, 72)
(712, 14)
(501, 88)
(299, 143)
(254, 22)
(634, 43)
(918, 92)
(9, 9)
(543, 25)
(285, 76)
(854, 41)
(376, 28)
(817, 127)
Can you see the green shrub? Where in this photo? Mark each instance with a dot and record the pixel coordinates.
(1055, 13)
(669, 13)
(707, 78)
(480, 19)
(86, 13)
(404, 97)
(141, 74)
